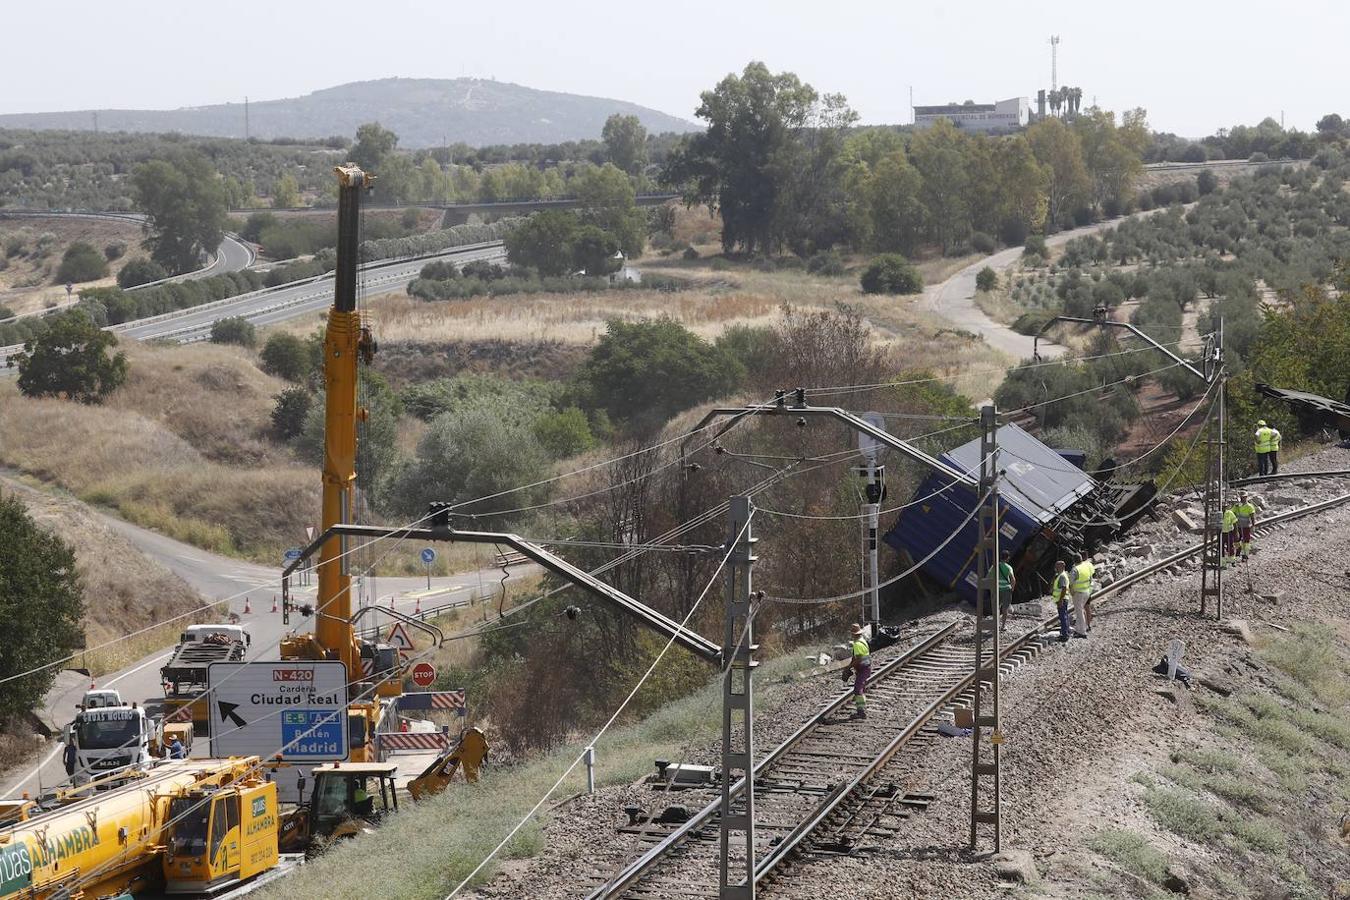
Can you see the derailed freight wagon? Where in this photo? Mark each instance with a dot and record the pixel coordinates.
(1049, 509)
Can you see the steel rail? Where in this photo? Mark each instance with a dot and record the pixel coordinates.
(640, 867)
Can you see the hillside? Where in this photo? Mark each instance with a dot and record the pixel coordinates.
(423, 111)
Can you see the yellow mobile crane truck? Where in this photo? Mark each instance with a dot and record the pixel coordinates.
(96, 844)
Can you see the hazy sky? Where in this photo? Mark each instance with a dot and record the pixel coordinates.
(1195, 66)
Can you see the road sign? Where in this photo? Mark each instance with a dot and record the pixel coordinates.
(428, 556)
(398, 637)
(292, 554)
(295, 708)
(309, 532)
(423, 674)
(869, 445)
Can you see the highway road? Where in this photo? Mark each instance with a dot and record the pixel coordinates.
(216, 577)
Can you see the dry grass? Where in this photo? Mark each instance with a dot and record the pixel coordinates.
(179, 452)
(123, 590)
(26, 283)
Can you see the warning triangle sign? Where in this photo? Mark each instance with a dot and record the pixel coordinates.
(398, 637)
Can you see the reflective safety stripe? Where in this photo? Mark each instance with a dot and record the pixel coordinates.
(1245, 512)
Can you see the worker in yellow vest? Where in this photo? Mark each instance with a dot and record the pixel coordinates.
(1229, 535)
(861, 665)
(1060, 592)
(1274, 451)
(1081, 585)
(1263, 444)
(1246, 523)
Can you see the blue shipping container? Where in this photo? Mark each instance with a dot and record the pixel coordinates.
(1038, 485)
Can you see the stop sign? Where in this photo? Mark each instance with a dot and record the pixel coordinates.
(423, 674)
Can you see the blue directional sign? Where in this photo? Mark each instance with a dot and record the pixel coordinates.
(292, 554)
(313, 734)
(428, 556)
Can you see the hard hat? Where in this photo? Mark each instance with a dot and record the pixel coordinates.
(1260, 421)
(856, 629)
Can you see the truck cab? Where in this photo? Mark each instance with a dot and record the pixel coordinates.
(100, 699)
(220, 837)
(111, 739)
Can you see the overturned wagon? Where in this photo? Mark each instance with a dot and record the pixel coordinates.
(1049, 509)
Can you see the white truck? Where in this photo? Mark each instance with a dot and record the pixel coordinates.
(184, 676)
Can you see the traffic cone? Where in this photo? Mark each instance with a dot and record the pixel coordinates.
(274, 603)
(92, 686)
(248, 609)
(417, 607)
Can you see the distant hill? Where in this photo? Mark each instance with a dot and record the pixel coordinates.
(424, 112)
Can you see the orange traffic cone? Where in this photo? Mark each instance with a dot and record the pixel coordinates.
(274, 603)
(391, 601)
(417, 607)
(248, 610)
(92, 686)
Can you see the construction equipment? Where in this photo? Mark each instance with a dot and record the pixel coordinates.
(99, 843)
(185, 674)
(115, 739)
(467, 756)
(221, 833)
(348, 799)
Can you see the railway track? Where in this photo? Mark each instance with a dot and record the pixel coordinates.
(819, 790)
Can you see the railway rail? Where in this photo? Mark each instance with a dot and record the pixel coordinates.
(819, 790)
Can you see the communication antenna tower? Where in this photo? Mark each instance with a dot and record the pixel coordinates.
(1054, 62)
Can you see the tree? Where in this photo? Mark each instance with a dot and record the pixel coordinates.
(1022, 181)
(233, 330)
(376, 438)
(986, 279)
(81, 262)
(140, 271)
(608, 201)
(593, 251)
(374, 144)
(733, 165)
(891, 273)
(649, 371)
(469, 453)
(42, 602)
(563, 433)
(288, 415)
(1059, 151)
(70, 359)
(1330, 126)
(937, 154)
(286, 193)
(544, 242)
(625, 143)
(1206, 182)
(286, 356)
(185, 207)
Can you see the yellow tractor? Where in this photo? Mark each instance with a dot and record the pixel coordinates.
(348, 799)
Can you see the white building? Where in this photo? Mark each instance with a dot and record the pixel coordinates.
(1005, 115)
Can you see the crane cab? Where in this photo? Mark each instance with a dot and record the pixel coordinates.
(348, 799)
(220, 837)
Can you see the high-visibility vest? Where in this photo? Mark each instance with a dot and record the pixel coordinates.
(1082, 576)
(1245, 512)
(1274, 439)
(1061, 587)
(1263, 439)
(1229, 520)
(862, 655)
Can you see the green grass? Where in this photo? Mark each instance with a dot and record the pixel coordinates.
(439, 841)
(1208, 760)
(1183, 814)
(1131, 852)
(1309, 656)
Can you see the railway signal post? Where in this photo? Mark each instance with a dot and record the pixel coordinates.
(737, 866)
(985, 785)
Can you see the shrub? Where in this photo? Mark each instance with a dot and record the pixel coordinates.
(6, 313)
(286, 356)
(1131, 852)
(986, 279)
(563, 433)
(288, 415)
(440, 270)
(81, 262)
(140, 271)
(411, 218)
(690, 253)
(891, 273)
(982, 243)
(1206, 183)
(256, 224)
(719, 264)
(114, 250)
(442, 239)
(825, 262)
(233, 330)
(1258, 157)
(70, 359)
(1035, 246)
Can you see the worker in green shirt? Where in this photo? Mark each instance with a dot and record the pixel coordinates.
(1007, 583)
(1059, 592)
(1230, 534)
(1245, 512)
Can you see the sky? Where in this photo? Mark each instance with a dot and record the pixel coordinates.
(1194, 65)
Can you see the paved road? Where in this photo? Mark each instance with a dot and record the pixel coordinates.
(217, 577)
(954, 299)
